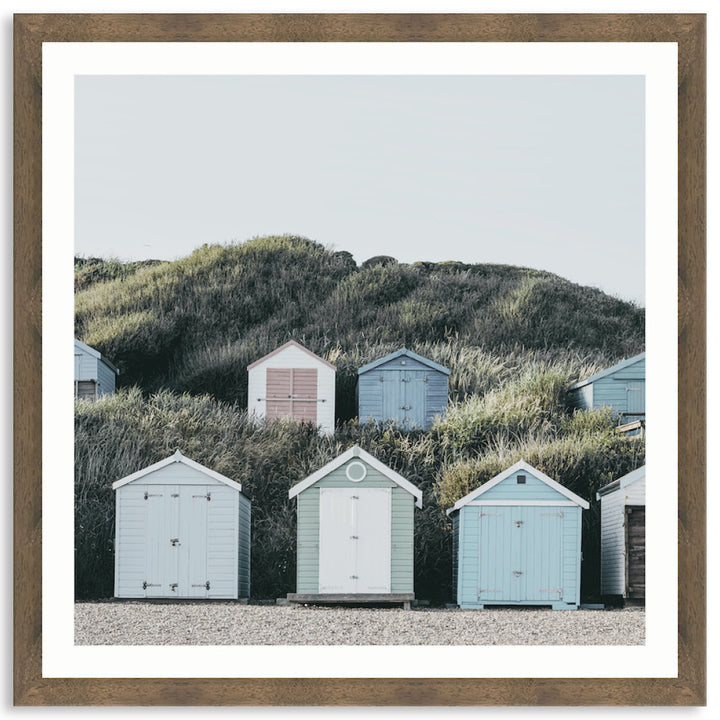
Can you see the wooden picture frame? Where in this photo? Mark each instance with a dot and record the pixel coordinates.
(688, 31)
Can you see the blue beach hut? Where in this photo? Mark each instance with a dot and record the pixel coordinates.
(517, 541)
(402, 387)
(620, 387)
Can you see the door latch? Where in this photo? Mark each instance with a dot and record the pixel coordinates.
(517, 573)
(173, 586)
(518, 523)
(353, 537)
(174, 541)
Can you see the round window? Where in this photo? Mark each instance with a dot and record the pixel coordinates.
(356, 471)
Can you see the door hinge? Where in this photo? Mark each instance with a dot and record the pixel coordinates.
(149, 495)
(354, 497)
(557, 514)
(485, 514)
(353, 537)
(146, 585)
(206, 496)
(206, 585)
(354, 577)
(485, 590)
(552, 590)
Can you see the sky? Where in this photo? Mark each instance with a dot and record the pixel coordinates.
(539, 171)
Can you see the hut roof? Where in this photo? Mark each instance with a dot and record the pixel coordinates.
(358, 452)
(408, 353)
(608, 371)
(92, 351)
(520, 465)
(177, 456)
(290, 343)
(622, 482)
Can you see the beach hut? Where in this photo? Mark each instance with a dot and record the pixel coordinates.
(402, 387)
(355, 526)
(295, 383)
(620, 387)
(517, 541)
(181, 531)
(94, 374)
(622, 537)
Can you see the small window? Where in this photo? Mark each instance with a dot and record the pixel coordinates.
(520, 479)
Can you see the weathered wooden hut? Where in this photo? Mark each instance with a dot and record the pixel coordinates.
(94, 374)
(295, 383)
(402, 387)
(182, 531)
(355, 526)
(622, 537)
(620, 387)
(517, 541)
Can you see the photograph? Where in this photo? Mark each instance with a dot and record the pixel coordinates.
(359, 359)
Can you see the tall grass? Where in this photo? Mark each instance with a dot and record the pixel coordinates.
(193, 325)
(183, 333)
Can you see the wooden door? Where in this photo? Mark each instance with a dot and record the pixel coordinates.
(392, 398)
(413, 395)
(635, 390)
(292, 392)
(355, 543)
(193, 542)
(161, 555)
(635, 552)
(542, 554)
(495, 554)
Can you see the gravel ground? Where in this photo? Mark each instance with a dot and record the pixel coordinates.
(228, 623)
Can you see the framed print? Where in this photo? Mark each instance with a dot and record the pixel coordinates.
(414, 378)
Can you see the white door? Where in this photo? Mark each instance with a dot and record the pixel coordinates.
(193, 546)
(161, 555)
(354, 540)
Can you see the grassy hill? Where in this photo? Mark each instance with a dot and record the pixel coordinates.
(194, 325)
(183, 333)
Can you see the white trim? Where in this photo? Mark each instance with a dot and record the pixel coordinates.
(524, 503)
(358, 452)
(363, 470)
(520, 465)
(621, 482)
(86, 348)
(177, 456)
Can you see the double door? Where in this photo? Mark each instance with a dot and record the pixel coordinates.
(355, 542)
(404, 397)
(520, 554)
(176, 541)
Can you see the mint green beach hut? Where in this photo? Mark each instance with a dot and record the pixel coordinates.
(355, 531)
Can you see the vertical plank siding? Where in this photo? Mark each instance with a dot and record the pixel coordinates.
(402, 390)
(401, 529)
(622, 390)
(518, 554)
(613, 535)
(213, 536)
(293, 371)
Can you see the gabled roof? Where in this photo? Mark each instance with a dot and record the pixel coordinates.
(608, 371)
(92, 351)
(408, 353)
(366, 457)
(520, 465)
(290, 343)
(622, 482)
(178, 457)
